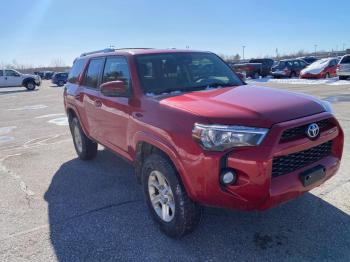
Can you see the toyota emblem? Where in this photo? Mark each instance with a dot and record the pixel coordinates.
(313, 130)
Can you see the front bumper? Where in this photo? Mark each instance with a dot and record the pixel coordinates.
(38, 82)
(256, 189)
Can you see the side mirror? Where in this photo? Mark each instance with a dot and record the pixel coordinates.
(114, 89)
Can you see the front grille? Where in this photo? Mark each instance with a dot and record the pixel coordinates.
(300, 131)
(286, 164)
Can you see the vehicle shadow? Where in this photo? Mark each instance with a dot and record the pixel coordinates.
(97, 213)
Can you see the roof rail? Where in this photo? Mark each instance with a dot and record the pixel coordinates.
(106, 50)
(133, 48)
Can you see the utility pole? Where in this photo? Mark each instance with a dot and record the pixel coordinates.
(276, 52)
(243, 46)
(315, 49)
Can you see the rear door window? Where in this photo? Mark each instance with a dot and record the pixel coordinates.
(92, 75)
(1, 73)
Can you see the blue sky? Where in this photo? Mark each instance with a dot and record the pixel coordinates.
(38, 31)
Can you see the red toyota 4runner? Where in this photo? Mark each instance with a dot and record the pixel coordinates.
(196, 134)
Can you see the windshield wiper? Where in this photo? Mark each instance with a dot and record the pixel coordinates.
(215, 84)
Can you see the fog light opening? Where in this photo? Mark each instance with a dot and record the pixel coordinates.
(228, 177)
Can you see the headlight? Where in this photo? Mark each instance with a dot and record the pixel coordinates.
(221, 137)
(327, 106)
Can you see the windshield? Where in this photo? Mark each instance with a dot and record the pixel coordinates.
(182, 72)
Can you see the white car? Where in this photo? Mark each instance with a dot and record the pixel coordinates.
(13, 78)
(343, 70)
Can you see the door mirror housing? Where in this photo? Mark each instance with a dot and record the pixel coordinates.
(114, 89)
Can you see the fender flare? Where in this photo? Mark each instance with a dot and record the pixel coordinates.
(169, 150)
(76, 112)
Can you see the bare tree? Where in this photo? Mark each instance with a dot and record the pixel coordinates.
(57, 62)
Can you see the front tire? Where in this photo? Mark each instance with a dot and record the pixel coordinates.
(171, 208)
(343, 77)
(86, 148)
(60, 83)
(30, 85)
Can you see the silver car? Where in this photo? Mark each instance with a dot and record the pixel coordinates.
(343, 70)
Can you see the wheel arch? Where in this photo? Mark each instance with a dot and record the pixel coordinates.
(71, 113)
(27, 79)
(146, 145)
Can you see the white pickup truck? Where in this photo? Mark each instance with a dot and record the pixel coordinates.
(13, 78)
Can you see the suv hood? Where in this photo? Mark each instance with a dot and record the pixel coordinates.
(246, 105)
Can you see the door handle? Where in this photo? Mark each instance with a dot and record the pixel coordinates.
(98, 103)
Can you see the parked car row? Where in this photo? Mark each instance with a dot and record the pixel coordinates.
(47, 75)
(303, 67)
(255, 67)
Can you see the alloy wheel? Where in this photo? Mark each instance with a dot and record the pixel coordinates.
(161, 196)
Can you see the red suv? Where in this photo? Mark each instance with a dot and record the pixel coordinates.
(196, 134)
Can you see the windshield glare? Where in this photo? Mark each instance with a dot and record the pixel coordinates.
(164, 73)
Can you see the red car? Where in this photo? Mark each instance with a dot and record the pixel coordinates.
(323, 68)
(196, 134)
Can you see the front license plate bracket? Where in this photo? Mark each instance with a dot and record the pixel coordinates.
(312, 175)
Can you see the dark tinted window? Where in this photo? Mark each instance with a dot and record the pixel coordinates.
(76, 70)
(333, 62)
(345, 60)
(302, 63)
(163, 73)
(1, 73)
(116, 68)
(93, 72)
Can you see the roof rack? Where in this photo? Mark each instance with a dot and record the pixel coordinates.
(107, 50)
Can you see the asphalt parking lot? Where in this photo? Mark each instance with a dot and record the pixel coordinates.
(54, 207)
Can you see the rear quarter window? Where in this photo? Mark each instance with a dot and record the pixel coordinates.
(76, 70)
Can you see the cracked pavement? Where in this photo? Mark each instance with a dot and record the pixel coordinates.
(54, 207)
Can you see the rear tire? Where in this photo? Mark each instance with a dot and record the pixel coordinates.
(30, 85)
(181, 215)
(60, 83)
(293, 74)
(86, 148)
(327, 76)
